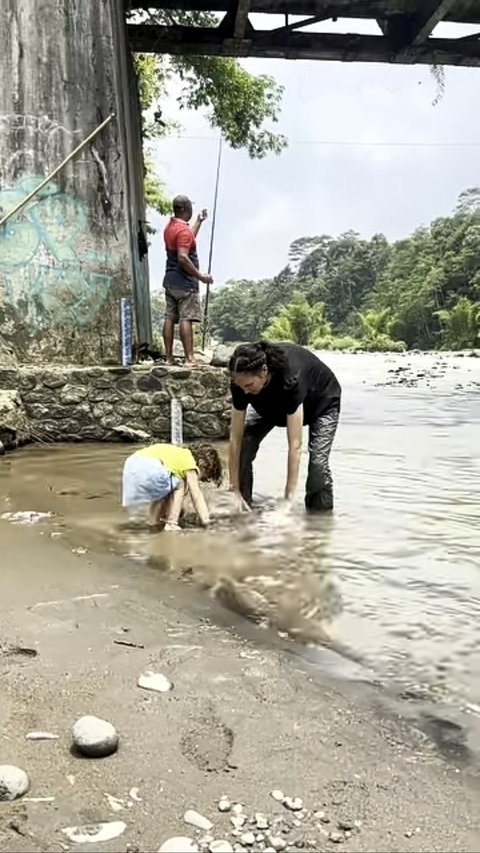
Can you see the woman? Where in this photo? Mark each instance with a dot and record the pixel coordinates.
(288, 386)
(161, 474)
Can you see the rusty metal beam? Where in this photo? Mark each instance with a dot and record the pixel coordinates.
(296, 45)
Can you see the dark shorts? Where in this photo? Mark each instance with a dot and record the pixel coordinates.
(182, 305)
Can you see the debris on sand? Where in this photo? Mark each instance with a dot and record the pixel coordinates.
(197, 820)
(29, 517)
(94, 737)
(94, 833)
(179, 844)
(41, 736)
(14, 782)
(154, 681)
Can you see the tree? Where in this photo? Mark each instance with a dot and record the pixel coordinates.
(460, 325)
(237, 104)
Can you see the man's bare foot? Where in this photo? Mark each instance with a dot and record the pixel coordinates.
(169, 362)
(190, 363)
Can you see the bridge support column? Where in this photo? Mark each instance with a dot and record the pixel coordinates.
(70, 255)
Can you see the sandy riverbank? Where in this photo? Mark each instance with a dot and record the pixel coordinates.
(241, 720)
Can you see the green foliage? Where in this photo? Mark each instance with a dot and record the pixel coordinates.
(460, 324)
(298, 322)
(237, 104)
(346, 292)
(156, 195)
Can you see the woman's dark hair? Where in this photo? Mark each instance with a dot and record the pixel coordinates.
(209, 463)
(251, 358)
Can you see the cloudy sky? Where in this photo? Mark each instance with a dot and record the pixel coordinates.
(367, 151)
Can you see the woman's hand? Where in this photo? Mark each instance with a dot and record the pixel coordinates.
(240, 503)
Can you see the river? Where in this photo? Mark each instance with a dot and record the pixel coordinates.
(392, 578)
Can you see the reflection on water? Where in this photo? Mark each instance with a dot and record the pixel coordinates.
(393, 576)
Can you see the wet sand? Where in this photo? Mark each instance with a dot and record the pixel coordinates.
(242, 719)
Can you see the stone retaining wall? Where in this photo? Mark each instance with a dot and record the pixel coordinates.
(88, 403)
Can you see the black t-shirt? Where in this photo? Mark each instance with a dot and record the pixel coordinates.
(305, 380)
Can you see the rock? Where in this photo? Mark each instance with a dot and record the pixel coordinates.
(237, 809)
(277, 842)
(277, 795)
(14, 429)
(14, 782)
(336, 838)
(261, 821)
(220, 846)
(154, 681)
(94, 737)
(224, 804)
(95, 833)
(179, 844)
(129, 434)
(198, 820)
(238, 821)
(247, 838)
(345, 823)
(221, 355)
(295, 804)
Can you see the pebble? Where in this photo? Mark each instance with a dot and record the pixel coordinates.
(277, 842)
(324, 818)
(95, 833)
(238, 821)
(95, 737)
(14, 782)
(198, 820)
(247, 838)
(154, 681)
(295, 804)
(345, 824)
(237, 809)
(224, 804)
(277, 795)
(261, 821)
(336, 837)
(220, 846)
(179, 844)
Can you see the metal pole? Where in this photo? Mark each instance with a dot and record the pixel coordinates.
(55, 172)
(212, 237)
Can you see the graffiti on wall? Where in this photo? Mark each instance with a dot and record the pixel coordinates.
(50, 275)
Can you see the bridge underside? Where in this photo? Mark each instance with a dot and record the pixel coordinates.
(403, 32)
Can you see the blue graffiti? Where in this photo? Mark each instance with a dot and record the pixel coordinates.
(51, 275)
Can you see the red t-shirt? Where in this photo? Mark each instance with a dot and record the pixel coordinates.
(179, 235)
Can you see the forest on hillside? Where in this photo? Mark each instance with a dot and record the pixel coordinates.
(346, 292)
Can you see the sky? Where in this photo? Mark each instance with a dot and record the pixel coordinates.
(367, 152)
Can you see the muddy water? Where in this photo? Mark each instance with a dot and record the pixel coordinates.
(393, 577)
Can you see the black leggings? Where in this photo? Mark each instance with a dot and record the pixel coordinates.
(319, 485)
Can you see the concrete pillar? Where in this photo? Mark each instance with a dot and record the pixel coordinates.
(72, 253)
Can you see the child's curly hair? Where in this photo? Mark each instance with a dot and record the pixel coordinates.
(209, 463)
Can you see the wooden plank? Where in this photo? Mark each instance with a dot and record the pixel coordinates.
(241, 19)
(425, 21)
(296, 45)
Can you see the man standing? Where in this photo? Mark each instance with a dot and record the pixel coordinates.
(182, 277)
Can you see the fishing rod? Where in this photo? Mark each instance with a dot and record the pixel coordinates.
(212, 238)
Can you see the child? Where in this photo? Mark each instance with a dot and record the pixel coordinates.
(161, 474)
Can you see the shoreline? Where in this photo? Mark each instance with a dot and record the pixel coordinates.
(242, 719)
